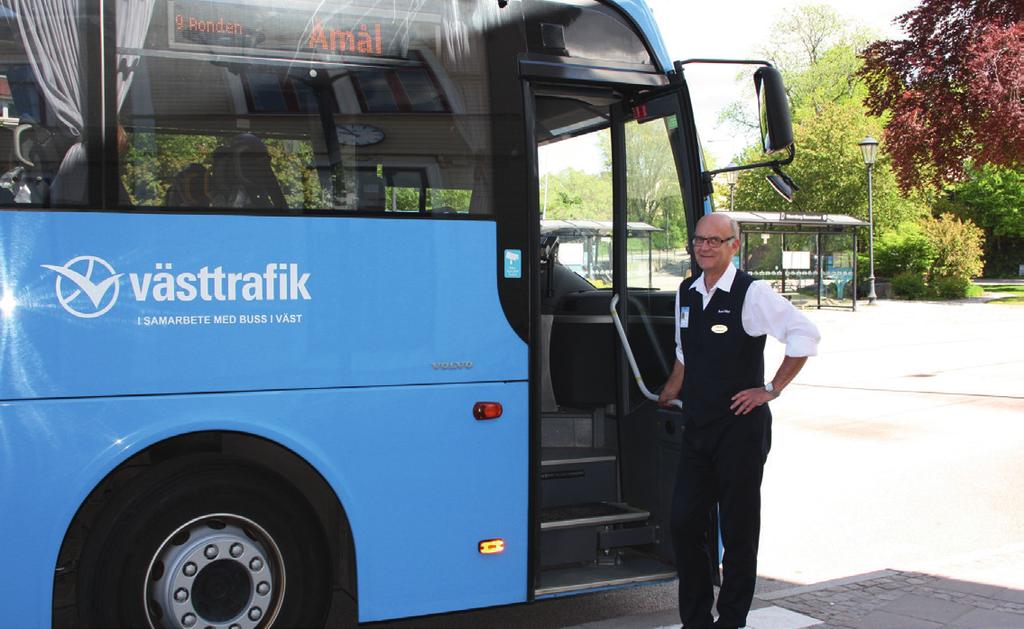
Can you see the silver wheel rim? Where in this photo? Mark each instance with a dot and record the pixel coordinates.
(218, 571)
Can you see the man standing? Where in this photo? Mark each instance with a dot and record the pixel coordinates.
(723, 316)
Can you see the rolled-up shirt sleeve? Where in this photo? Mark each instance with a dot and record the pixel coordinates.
(767, 312)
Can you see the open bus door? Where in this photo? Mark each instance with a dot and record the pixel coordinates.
(608, 456)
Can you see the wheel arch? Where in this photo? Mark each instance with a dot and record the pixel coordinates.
(245, 448)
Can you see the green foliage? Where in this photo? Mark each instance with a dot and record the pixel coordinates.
(958, 248)
(830, 171)
(902, 250)
(951, 287)
(151, 161)
(653, 195)
(909, 285)
(817, 53)
(574, 194)
(291, 161)
(993, 198)
(651, 169)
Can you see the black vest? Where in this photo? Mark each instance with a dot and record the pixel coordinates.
(721, 359)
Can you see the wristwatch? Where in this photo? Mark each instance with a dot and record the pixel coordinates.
(770, 388)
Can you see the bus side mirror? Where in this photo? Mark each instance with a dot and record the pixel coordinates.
(773, 111)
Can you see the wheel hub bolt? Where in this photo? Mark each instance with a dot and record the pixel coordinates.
(190, 569)
(189, 620)
(255, 614)
(263, 588)
(211, 552)
(237, 550)
(181, 595)
(256, 564)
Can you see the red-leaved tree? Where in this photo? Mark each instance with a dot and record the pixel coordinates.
(954, 88)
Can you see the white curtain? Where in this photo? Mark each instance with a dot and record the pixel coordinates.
(50, 34)
(132, 23)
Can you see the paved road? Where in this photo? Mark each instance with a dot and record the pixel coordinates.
(897, 448)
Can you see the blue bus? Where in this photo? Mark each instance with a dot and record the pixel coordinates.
(281, 341)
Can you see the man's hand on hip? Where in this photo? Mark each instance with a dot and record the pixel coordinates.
(749, 399)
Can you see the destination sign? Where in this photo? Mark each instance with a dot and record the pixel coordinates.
(199, 24)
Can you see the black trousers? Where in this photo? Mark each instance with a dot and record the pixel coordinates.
(721, 462)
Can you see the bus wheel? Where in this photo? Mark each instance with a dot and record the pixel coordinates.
(206, 544)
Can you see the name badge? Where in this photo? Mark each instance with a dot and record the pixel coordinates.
(684, 316)
(719, 329)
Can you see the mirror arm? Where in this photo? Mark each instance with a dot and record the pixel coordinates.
(772, 164)
(745, 62)
(708, 175)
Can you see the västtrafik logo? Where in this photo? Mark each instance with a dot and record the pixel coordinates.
(88, 286)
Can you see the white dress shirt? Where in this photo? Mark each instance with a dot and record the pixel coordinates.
(764, 312)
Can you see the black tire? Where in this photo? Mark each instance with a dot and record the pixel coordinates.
(131, 538)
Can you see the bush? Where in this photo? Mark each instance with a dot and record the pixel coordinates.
(909, 286)
(958, 248)
(951, 287)
(904, 250)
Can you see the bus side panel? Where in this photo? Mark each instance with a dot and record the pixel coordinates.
(115, 304)
(421, 480)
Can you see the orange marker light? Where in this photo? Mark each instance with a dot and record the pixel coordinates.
(487, 410)
(492, 546)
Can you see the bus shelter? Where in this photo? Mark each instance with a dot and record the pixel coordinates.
(585, 246)
(811, 259)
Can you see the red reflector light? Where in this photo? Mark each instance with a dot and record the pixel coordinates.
(487, 410)
(492, 546)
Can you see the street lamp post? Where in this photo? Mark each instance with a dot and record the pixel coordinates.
(731, 177)
(869, 148)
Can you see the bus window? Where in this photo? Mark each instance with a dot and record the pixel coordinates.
(42, 130)
(308, 108)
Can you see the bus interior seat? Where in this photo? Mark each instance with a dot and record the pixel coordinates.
(241, 176)
(188, 188)
(580, 348)
(71, 183)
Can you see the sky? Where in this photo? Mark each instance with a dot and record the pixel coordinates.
(734, 29)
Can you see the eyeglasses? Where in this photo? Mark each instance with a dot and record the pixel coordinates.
(714, 241)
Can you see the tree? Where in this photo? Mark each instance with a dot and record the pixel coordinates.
(817, 52)
(830, 172)
(953, 89)
(573, 194)
(993, 198)
(651, 170)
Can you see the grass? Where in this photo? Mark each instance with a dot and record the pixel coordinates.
(1005, 288)
(1014, 294)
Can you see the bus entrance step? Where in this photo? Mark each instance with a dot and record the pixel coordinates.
(592, 532)
(590, 514)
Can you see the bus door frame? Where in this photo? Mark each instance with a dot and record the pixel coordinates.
(688, 169)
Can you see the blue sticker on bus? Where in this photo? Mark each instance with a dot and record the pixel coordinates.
(513, 263)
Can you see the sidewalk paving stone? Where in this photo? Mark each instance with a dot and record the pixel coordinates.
(985, 619)
(903, 600)
(927, 608)
(886, 620)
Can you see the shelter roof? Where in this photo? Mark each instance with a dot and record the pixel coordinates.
(800, 219)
